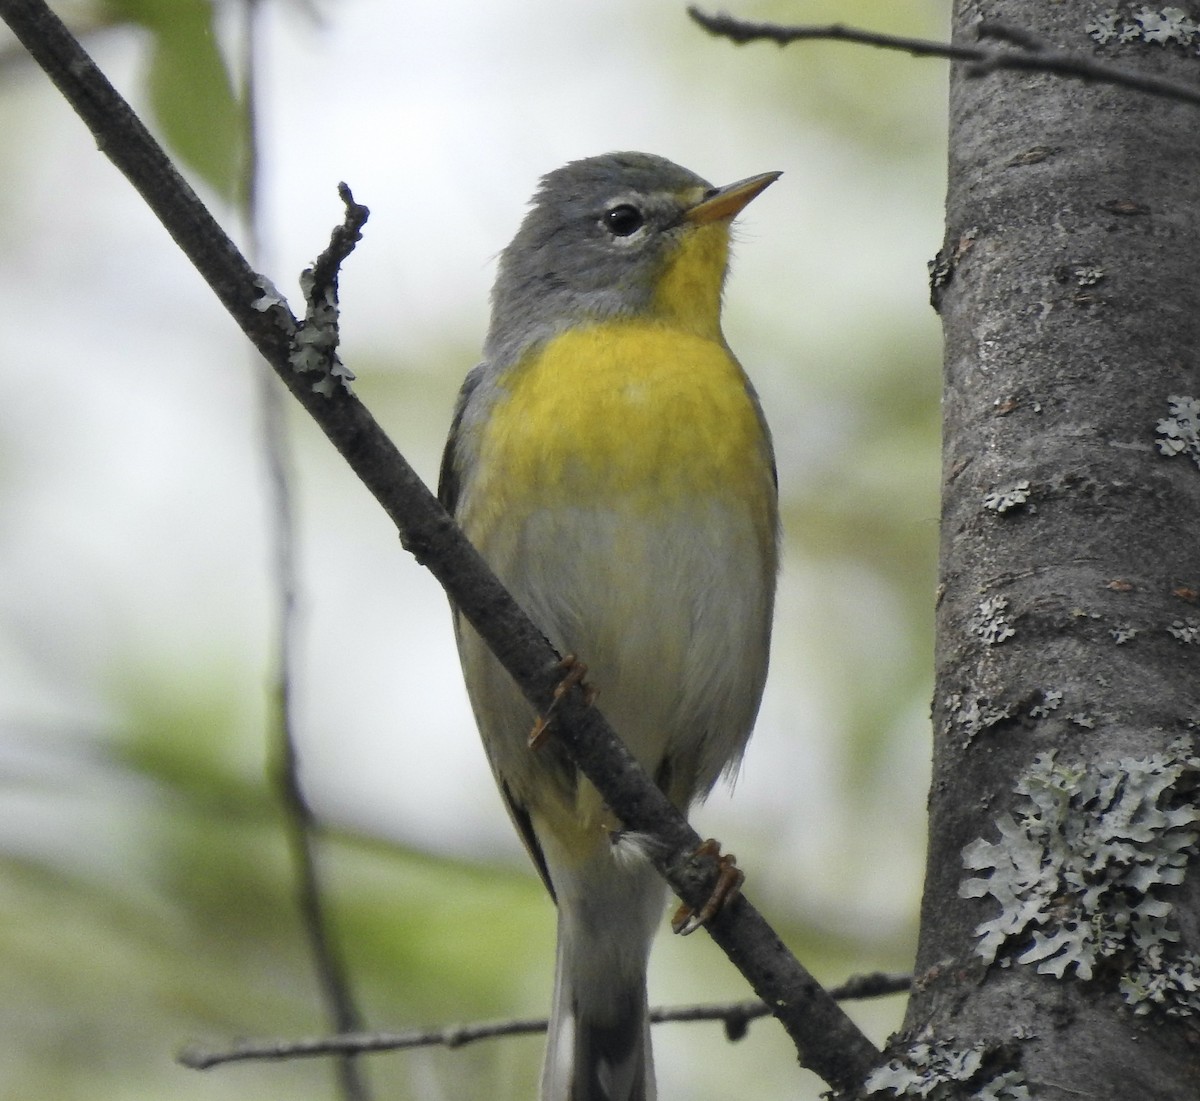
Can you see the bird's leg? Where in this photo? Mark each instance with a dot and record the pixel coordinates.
(729, 884)
(574, 671)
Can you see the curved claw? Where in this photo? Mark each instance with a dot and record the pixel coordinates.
(728, 886)
(574, 672)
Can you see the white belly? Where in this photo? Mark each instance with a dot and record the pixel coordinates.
(671, 614)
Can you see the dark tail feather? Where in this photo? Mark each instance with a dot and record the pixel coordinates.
(610, 1057)
(598, 1048)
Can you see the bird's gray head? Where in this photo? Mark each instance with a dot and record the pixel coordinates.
(592, 247)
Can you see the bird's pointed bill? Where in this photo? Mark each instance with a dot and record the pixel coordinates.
(730, 200)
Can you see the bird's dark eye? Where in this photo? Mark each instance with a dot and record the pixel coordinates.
(623, 220)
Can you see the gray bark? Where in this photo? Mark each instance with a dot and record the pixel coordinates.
(1060, 927)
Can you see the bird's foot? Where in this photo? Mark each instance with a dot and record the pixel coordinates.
(574, 671)
(729, 884)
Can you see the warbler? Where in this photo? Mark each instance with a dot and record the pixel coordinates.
(610, 461)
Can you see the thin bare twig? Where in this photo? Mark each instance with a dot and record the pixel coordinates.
(740, 31)
(300, 827)
(1024, 51)
(827, 1041)
(342, 241)
(736, 1018)
(300, 823)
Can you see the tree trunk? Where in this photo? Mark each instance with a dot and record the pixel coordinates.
(1060, 931)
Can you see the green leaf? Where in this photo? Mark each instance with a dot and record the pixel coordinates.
(190, 89)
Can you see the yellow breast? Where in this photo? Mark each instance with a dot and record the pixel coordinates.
(632, 411)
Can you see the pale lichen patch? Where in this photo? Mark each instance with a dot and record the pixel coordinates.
(939, 1069)
(1082, 872)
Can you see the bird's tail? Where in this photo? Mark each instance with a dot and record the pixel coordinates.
(598, 1058)
(598, 1045)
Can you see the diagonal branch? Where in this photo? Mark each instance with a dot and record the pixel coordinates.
(1025, 51)
(827, 1041)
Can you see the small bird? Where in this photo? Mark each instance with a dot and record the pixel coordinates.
(610, 461)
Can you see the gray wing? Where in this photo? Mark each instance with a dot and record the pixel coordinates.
(449, 482)
(449, 487)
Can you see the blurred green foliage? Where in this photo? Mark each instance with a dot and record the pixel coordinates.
(191, 933)
(871, 97)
